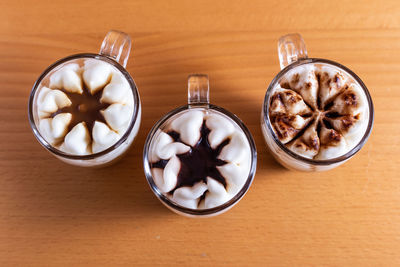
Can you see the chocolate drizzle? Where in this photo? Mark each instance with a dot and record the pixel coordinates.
(200, 162)
(85, 108)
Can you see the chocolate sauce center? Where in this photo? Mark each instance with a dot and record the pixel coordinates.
(85, 108)
(198, 163)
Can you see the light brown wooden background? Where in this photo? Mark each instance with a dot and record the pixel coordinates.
(52, 214)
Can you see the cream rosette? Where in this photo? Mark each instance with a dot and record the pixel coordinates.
(95, 75)
(209, 192)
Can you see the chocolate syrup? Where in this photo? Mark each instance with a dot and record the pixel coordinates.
(200, 162)
(85, 108)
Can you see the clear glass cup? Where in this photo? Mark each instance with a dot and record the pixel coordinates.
(198, 99)
(292, 54)
(115, 51)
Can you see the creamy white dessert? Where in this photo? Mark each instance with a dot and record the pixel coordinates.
(318, 111)
(200, 158)
(85, 107)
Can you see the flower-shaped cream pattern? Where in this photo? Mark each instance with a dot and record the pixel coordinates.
(318, 111)
(85, 108)
(200, 159)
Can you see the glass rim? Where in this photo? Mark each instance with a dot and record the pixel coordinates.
(124, 137)
(341, 158)
(199, 212)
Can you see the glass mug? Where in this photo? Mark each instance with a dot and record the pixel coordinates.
(293, 57)
(69, 73)
(213, 138)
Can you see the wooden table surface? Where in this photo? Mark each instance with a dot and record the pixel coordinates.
(53, 214)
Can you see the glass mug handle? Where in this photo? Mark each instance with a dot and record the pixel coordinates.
(198, 90)
(291, 48)
(116, 45)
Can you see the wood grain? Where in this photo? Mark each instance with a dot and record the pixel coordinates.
(52, 214)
